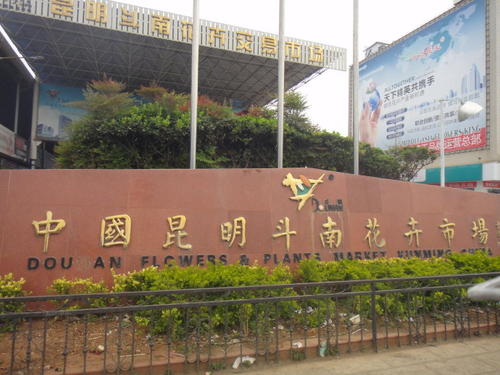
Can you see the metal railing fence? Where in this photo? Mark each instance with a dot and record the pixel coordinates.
(193, 330)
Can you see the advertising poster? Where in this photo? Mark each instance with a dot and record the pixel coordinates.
(401, 89)
(12, 144)
(54, 112)
(7, 141)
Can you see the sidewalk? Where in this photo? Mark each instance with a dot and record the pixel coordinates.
(468, 357)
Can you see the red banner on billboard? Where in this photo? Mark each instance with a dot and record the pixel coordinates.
(462, 142)
(491, 184)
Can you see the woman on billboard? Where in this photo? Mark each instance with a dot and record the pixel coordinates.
(369, 115)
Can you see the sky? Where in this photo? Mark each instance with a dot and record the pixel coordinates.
(321, 21)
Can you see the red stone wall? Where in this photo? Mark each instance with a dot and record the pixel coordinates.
(209, 198)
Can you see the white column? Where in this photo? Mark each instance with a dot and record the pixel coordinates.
(34, 123)
(441, 145)
(194, 82)
(355, 82)
(16, 114)
(281, 81)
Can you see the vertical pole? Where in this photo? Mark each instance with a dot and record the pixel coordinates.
(373, 302)
(42, 163)
(355, 82)
(34, 122)
(16, 115)
(194, 82)
(281, 81)
(441, 144)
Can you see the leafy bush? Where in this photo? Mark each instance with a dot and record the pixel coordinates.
(312, 270)
(122, 132)
(262, 318)
(175, 277)
(9, 287)
(79, 286)
(479, 262)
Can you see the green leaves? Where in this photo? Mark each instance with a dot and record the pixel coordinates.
(104, 99)
(411, 159)
(10, 287)
(254, 318)
(79, 286)
(312, 270)
(118, 134)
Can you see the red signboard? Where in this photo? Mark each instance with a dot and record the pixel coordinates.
(458, 143)
(462, 185)
(83, 223)
(491, 184)
(459, 185)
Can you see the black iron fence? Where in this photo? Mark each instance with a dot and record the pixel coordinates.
(193, 330)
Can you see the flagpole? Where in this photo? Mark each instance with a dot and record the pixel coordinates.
(281, 81)
(355, 82)
(194, 82)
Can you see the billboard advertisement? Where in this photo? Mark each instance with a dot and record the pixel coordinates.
(7, 141)
(401, 88)
(12, 144)
(54, 112)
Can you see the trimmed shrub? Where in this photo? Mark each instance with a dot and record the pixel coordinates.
(79, 286)
(257, 318)
(9, 287)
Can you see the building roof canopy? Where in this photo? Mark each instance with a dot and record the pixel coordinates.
(75, 53)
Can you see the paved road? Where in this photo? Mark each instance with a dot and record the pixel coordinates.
(469, 357)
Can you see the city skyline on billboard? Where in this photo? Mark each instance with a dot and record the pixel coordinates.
(55, 113)
(401, 88)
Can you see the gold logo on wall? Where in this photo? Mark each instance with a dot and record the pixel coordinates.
(302, 187)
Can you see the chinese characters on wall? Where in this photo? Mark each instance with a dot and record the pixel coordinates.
(117, 231)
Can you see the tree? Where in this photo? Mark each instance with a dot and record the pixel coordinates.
(295, 106)
(294, 112)
(156, 134)
(375, 162)
(105, 99)
(411, 159)
(144, 137)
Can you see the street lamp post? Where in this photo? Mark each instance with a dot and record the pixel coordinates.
(441, 143)
(465, 111)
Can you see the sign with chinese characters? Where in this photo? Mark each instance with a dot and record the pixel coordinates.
(401, 87)
(82, 223)
(154, 23)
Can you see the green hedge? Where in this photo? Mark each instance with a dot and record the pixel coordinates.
(247, 317)
(311, 270)
(175, 277)
(9, 287)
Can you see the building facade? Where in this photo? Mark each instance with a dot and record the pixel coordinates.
(76, 41)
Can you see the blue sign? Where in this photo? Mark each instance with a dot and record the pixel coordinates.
(445, 60)
(55, 112)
